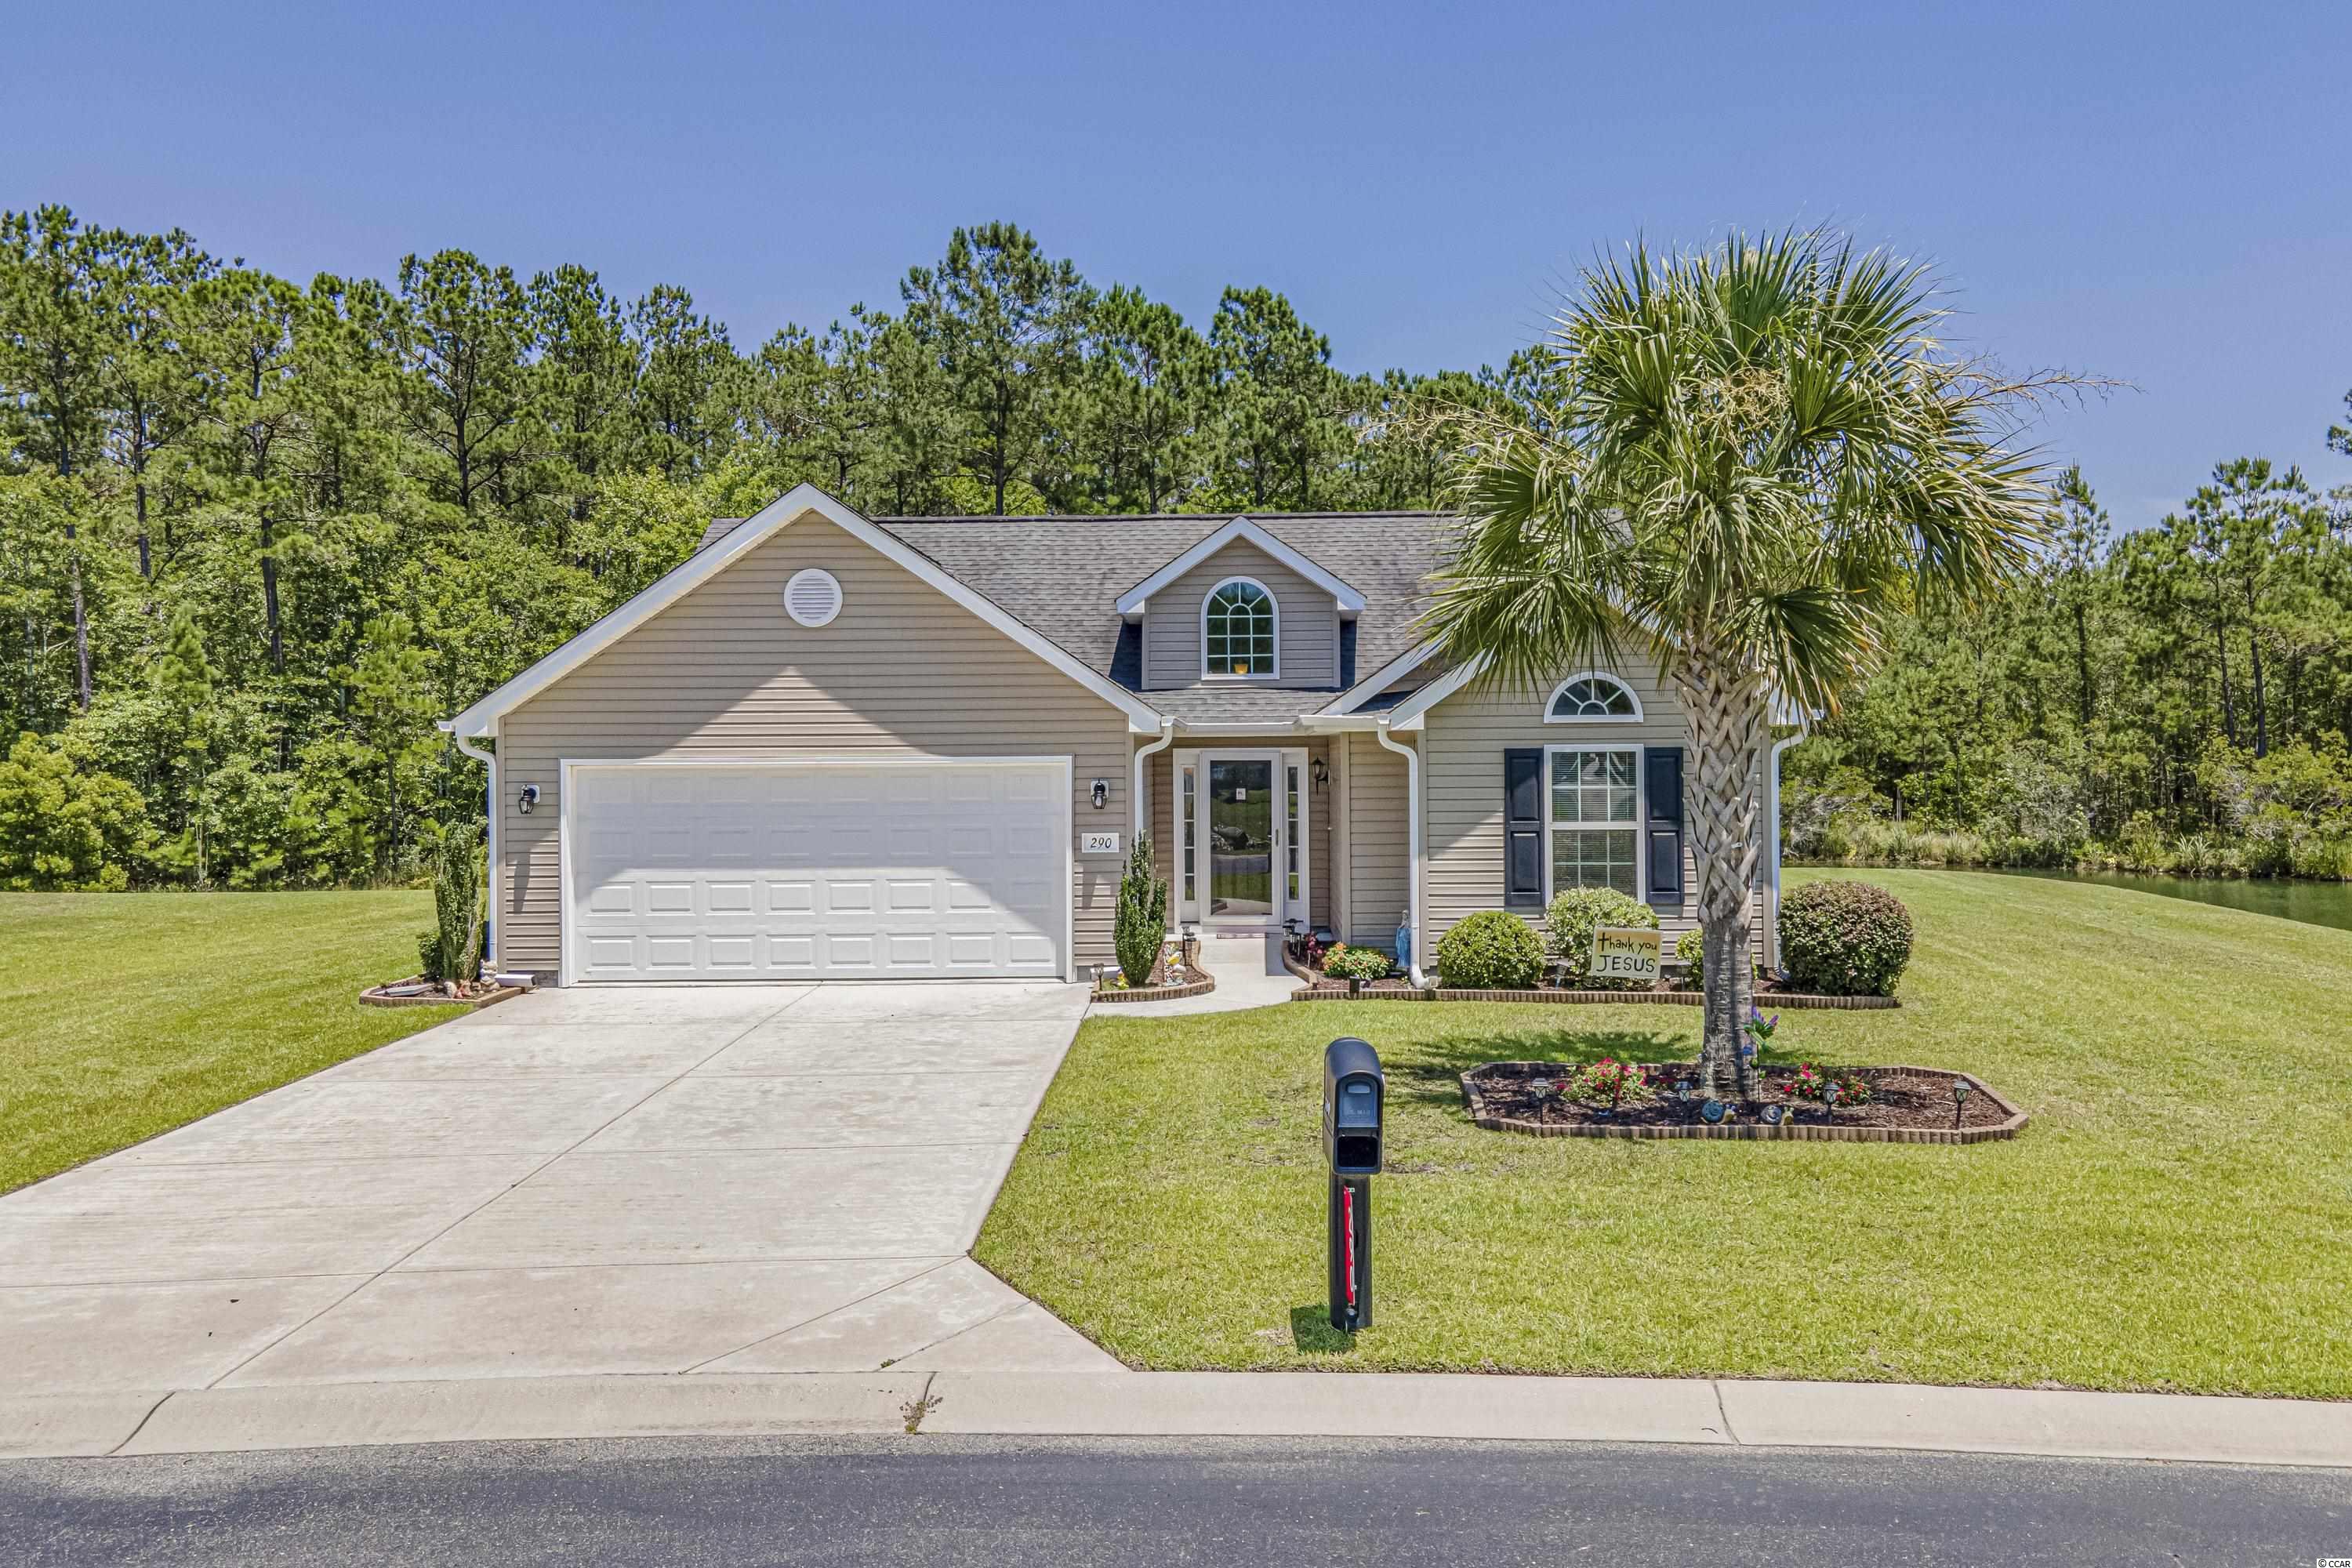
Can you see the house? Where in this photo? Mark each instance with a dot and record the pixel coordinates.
(830, 746)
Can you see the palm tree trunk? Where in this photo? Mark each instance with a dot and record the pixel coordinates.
(1726, 706)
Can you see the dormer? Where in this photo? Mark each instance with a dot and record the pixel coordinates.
(1241, 607)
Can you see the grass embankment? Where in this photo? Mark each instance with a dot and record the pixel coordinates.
(131, 1014)
(2178, 1216)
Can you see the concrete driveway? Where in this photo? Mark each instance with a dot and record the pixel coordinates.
(707, 1179)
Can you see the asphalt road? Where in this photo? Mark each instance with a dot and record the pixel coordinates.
(1158, 1501)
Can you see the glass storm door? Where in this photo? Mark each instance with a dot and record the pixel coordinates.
(1241, 838)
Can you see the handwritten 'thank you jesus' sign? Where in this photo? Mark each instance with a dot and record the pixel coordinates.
(1622, 953)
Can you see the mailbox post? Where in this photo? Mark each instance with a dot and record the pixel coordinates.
(1353, 1091)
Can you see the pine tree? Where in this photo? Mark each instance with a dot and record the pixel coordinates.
(183, 680)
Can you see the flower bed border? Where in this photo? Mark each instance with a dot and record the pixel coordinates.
(1201, 987)
(373, 996)
(1316, 990)
(1801, 1132)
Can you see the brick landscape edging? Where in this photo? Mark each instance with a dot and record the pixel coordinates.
(1807, 1132)
(1316, 992)
(1201, 987)
(490, 999)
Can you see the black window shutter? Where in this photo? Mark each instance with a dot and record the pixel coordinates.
(1661, 772)
(1523, 827)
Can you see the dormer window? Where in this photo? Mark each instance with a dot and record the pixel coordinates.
(1237, 631)
(1592, 698)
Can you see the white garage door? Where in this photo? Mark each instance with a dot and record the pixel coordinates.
(818, 871)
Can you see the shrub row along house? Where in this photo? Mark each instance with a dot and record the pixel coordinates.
(826, 746)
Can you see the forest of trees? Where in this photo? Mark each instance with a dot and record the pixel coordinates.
(255, 536)
(2175, 698)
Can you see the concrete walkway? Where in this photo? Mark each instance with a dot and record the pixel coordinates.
(1248, 972)
(632, 1180)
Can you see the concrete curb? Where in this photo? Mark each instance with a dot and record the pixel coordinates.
(2176, 1427)
(70, 1425)
(348, 1415)
(1315, 1405)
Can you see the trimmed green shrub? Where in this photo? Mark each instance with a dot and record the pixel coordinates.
(1357, 963)
(1141, 924)
(1575, 915)
(451, 950)
(1492, 950)
(1691, 949)
(1844, 939)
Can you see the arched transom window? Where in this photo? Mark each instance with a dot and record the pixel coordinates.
(1582, 699)
(1237, 629)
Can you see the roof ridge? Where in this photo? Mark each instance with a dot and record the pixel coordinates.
(1216, 517)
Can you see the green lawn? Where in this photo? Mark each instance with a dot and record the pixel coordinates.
(2178, 1214)
(131, 1014)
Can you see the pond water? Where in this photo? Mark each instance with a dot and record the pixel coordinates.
(2313, 903)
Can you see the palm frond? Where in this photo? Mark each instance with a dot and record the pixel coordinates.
(1759, 453)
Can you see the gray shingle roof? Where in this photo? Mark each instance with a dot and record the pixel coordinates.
(1063, 577)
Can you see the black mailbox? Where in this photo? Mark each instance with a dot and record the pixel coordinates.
(1352, 1090)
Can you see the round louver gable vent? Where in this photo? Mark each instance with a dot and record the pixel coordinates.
(812, 598)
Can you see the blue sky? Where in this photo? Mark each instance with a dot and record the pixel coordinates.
(2156, 192)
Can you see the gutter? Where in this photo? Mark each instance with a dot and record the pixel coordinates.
(1413, 859)
(490, 909)
(1772, 828)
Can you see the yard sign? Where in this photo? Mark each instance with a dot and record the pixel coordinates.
(1624, 954)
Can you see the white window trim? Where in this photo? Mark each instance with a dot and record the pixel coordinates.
(1273, 605)
(1185, 898)
(1617, 681)
(1641, 811)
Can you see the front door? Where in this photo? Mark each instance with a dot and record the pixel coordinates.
(1242, 823)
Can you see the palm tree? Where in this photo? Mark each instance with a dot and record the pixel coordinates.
(1745, 460)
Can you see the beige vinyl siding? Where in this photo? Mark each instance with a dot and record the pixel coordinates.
(902, 671)
(1307, 622)
(1159, 779)
(1464, 738)
(1378, 831)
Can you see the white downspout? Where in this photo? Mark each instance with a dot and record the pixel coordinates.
(1135, 791)
(1772, 829)
(1135, 799)
(491, 911)
(1411, 756)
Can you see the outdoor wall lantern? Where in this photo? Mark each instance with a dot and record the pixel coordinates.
(1319, 771)
(527, 799)
(1099, 794)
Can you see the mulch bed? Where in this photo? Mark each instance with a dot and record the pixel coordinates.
(417, 992)
(1908, 1105)
(1199, 983)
